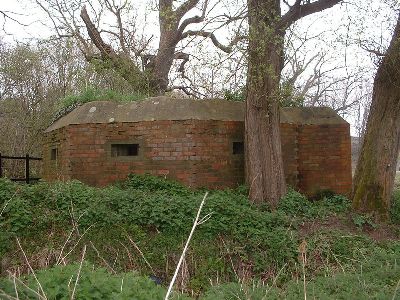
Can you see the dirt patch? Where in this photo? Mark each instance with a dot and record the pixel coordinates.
(380, 232)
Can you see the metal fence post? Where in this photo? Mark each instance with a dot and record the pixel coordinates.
(27, 168)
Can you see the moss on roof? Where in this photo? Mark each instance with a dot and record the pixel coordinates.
(164, 108)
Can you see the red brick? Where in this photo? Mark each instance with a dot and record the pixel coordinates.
(198, 153)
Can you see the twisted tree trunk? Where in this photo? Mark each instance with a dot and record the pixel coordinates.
(376, 168)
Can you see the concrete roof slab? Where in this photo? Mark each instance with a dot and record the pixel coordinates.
(164, 108)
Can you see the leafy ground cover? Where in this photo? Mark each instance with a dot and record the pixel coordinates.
(108, 243)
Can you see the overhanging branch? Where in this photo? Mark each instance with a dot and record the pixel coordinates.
(211, 35)
(192, 20)
(94, 35)
(121, 63)
(297, 11)
(185, 7)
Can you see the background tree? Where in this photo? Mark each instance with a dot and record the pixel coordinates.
(33, 82)
(267, 27)
(376, 169)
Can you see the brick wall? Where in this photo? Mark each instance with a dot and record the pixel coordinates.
(58, 168)
(290, 153)
(324, 158)
(198, 153)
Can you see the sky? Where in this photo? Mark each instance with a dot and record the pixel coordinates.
(339, 29)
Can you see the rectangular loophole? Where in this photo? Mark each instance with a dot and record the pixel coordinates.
(237, 148)
(124, 150)
(53, 154)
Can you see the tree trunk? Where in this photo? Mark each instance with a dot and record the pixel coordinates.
(376, 168)
(264, 165)
(165, 56)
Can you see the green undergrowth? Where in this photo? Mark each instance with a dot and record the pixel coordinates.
(372, 281)
(295, 204)
(141, 225)
(84, 283)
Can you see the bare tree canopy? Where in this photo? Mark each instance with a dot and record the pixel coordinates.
(121, 47)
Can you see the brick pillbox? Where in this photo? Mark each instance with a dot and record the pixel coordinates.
(197, 142)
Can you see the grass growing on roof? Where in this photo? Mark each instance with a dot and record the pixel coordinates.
(70, 102)
(91, 94)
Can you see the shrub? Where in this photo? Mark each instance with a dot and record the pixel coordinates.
(235, 290)
(236, 95)
(335, 204)
(296, 204)
(152, 184)
(362, 221)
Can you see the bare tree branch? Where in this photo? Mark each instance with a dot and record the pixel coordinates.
(298, 11)
(188, 21)
(117, 12)
(185, 58)
(192, 20)
(188, 90)
(105, 49)
(117, 46)
(185, 8)
(122, 64)
(373, 51)
(7, 15)
(211, 35)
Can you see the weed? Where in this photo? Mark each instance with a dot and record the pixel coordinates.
(362, 221)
